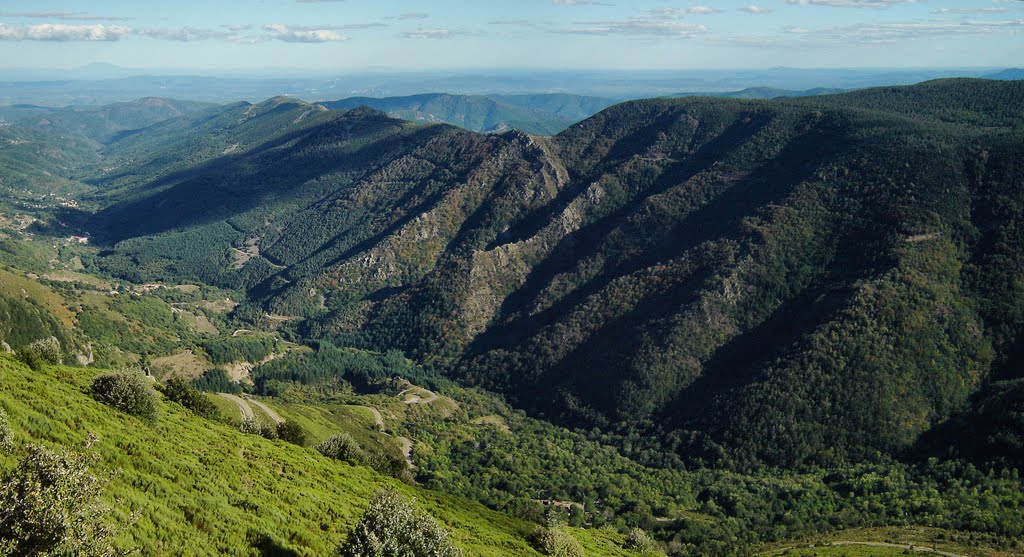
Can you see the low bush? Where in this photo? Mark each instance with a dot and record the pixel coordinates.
(40, 353)
(50, 505)
(6, 435)
(342, 447)
(291, 432)
(252, 426)
(128, 391)
(393, 527)
(557, 542)
(181, 391)
(638, 540)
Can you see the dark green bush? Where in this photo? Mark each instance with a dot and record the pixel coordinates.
(342, 447)
(128, 391)
(181, 391)
(50, 505)
(291, 432)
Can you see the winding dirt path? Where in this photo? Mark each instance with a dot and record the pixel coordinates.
(242, 406)
(266, 409)
(377, 418)
(407, 450)
(415, 398)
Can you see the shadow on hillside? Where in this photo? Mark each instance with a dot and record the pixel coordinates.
(597, 368)
(230, 185)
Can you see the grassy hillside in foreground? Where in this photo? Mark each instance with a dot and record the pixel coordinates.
(202, 488)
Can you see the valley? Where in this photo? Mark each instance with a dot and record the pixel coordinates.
(786, 324)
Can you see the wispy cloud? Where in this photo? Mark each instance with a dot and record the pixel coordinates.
(579, 3)
(658, 22)
(63, 33)
(884, 33)
(409, 15)
(755, 9)
(702, 10)
(65, 16)
(852, 3)
(437, 34)
(299, 34)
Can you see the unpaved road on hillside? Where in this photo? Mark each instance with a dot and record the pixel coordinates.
(377, 418)
(407, 450)
(246, 411)
(415, 398)
(266, 409)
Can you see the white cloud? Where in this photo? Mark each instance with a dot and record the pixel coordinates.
(63, 33)
(281, 32)
(702, 10)
(754, 9)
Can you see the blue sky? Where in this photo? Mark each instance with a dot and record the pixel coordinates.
(471, 34)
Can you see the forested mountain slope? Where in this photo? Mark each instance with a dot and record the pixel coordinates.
(780, 282)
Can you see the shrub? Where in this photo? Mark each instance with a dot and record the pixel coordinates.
(557, 542)
(393, 527)
(638, 540)
(40, 353)
(253, 426)
(50, 505)
(181, 391)
(6, 435)
(342, 447)
(128, 391)
(291, 432)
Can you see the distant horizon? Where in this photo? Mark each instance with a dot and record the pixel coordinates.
(446, 35)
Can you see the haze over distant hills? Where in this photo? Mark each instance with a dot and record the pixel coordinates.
(103, 83)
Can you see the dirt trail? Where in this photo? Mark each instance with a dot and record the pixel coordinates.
(377, 418)
(407, 450)
(415, 398)
(266, 409)
(245, 409)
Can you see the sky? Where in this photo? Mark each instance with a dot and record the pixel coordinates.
(335, 35)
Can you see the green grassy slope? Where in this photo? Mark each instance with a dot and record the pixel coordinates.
(202, 488)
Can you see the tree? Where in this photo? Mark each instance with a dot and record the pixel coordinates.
(393, 527)
(50, 505)
(128, 391)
